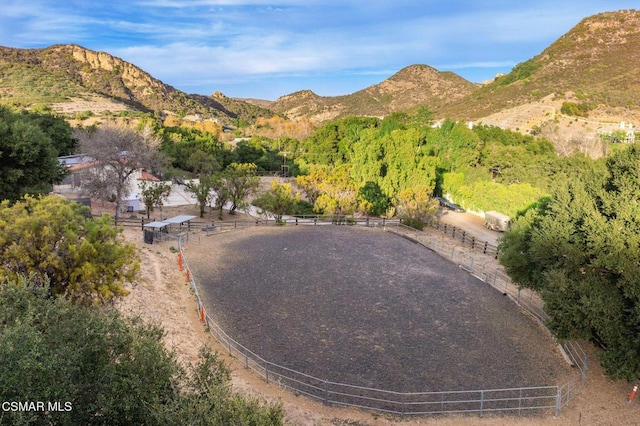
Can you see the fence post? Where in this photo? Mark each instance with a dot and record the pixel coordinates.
(556, 411)
(266, 372)
(246, 359)
(481, 402)
(326, 392)
(520, 402)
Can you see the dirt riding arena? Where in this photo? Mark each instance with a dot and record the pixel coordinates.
(369, 308)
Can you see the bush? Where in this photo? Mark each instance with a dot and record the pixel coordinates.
(413, 223)
(102, 368)
(577, 110)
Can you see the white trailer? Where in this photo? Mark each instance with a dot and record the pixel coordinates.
(497, 221)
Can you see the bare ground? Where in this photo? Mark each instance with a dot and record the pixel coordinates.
(366, 307)
(164, 297)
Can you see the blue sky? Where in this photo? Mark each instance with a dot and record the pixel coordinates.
(266, 49)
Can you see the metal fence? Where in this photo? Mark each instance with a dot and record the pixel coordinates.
(511, 401)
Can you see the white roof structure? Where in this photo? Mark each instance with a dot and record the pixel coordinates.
(156, 225)
(180, 219)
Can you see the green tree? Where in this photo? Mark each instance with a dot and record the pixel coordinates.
(194, 150)
(221, 190)
(240, 182)
(202, 191)
(309, 183)
(28, 163)
(372, 200)
(202, 162)
(53, 241)
(208, 400)
(279, 200)
(154, 194)
(581, 250)
(57, 129)
(415, 206)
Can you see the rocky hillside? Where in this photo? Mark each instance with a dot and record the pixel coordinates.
(412, 86)
(63, 74)
(593, 64)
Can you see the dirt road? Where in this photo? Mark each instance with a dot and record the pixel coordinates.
(470, 223)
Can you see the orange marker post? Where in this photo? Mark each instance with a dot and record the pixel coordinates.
(633, 394)
(180, 260)
(188, 275)
(201, 313)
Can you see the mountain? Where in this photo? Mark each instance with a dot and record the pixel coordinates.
(593, 66)
(591, 70)
(63, 74)
(412, 86)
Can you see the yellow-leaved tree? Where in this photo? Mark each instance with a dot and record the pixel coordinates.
(56, 243)
(415, 206)
(338, 196)
(278, 201)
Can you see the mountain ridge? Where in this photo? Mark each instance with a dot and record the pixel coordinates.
(79, 72)
(591, 66)
(410, 87)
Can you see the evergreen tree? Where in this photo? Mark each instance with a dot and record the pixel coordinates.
(28, 163)
(580, 249)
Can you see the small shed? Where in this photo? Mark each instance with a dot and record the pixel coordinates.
(155, 230)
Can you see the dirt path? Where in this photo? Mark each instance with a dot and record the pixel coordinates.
(164, 297)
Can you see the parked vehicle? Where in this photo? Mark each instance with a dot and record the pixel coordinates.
(497, 221)
(449, 205)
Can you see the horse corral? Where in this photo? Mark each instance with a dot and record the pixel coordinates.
(360, 306)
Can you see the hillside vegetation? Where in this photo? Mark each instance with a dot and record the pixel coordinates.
(593, 61)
